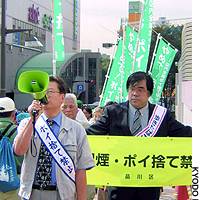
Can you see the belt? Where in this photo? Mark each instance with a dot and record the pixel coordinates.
(48, 187)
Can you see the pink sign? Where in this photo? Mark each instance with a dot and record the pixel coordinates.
(33, 14)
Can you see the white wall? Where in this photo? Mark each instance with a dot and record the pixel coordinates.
(184, 78)
(19, 9)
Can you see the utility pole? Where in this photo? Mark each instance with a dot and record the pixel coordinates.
(3, 45)
(4, 32)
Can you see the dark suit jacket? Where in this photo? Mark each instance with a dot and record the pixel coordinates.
(115, 122)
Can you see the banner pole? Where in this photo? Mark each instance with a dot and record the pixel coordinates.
(154, 52)
(166, 40)
(123, 58)
(53, 44)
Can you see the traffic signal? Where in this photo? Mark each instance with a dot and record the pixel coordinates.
(107, 45)
(87, 81)
(90, 81)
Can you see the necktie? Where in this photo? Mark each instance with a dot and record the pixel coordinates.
(136, 127)
(44, 165)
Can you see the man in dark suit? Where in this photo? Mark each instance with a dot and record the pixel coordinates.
(131, 119)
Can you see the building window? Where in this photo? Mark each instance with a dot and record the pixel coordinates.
(74, 67)
(80, 66)
(91, 68)
(92, 65)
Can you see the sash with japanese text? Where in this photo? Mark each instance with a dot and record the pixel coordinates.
(154, 123)
(56, 149)
(140, 161)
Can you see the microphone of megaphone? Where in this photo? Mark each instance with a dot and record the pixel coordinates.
(34, 83)
(35, 86)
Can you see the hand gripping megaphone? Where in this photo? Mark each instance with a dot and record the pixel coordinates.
(35, 83)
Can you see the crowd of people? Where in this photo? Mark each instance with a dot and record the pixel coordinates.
(50, 143)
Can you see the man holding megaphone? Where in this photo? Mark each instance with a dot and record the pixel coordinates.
(58, 154)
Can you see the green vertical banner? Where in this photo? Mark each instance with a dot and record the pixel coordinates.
(164, 57)
(142, 55)
(129, 55)
(59, 51)
(121, 68)
(113, 89)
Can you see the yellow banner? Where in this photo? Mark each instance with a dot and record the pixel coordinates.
(140, 161)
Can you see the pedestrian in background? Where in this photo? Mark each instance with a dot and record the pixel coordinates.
(87, 112)
(79, 104)
(97, 112)
(8, 128)
(71, 110)
(20, 116)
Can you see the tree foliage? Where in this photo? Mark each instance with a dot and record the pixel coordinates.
(172, 34)
(105, 61)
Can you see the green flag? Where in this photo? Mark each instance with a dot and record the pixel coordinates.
(144, 38)
(129, 55)
(59, 51)
(164, 57)
(113, 87)
(121, 68)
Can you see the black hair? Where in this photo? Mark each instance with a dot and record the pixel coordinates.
(139, 76)
(109, 103)
(88, 109)
(6, 114)
(60, 82)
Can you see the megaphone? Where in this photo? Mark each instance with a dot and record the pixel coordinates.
(35, 83)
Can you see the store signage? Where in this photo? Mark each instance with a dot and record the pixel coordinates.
(47, 22)
(33, 14)
(80, 88)
(59, 50)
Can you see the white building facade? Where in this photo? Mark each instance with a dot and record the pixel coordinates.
(184, 78)
(38, 15)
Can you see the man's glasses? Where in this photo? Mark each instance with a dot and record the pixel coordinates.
(50, 92)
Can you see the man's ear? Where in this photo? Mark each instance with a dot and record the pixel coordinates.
(63, 98)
